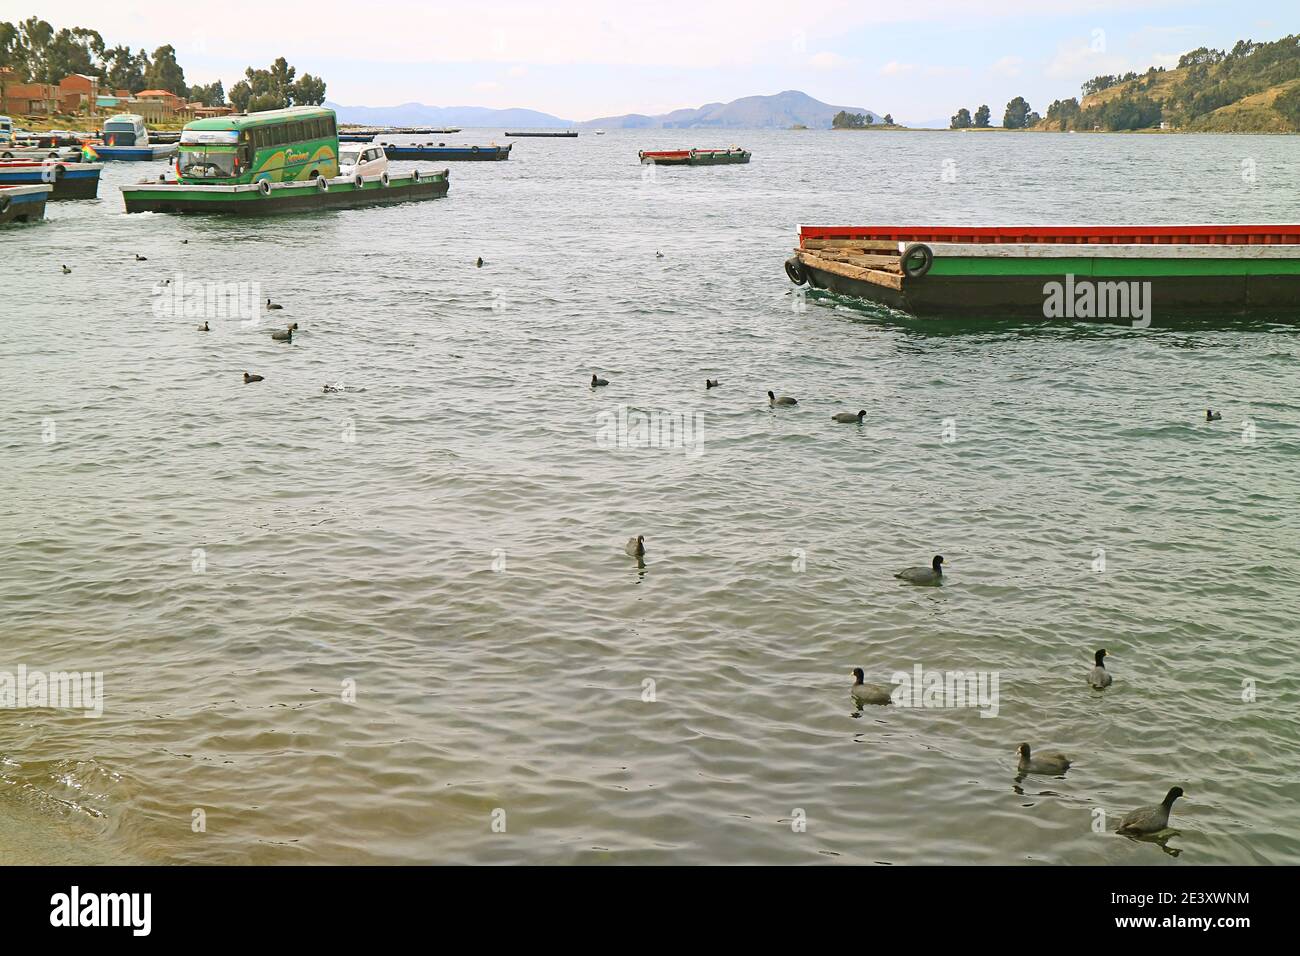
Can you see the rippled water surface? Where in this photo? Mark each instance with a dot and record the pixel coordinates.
(447, 533)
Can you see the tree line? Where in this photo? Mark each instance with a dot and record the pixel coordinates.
(1017, 115)
(846, 120)
(37, 53)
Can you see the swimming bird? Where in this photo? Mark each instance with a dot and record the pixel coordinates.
(1147, 820)
(635, 546)
(597, 382)
(252, 378)
(783, 400)
(285, 336)
(479, 263)
(1099, 677)
(332, 388)
(1213, 416)
(869, 693)
(66, 270)
(272, 305)
(849, 417)
(931, 575)
(185, 242)
(659, 255)
(204, 327)
(1050, 763)
(140, 258)
(710, 383)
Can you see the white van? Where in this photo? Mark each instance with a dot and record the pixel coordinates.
(368, 159)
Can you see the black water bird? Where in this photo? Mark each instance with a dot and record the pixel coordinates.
(1147, 820)
(711, 383)
(1213, 416)
(931, 575)
(252, 378)
(869, 693)
(204, 328)
(272, 305)
(783, 400)
(849, 417)
(1099, 677)
(596, 381)
(635, 546)
(1049, 763)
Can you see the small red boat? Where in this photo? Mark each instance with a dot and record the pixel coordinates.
(694, 157)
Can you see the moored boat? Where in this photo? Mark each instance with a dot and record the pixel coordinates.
(694, 157)
(69, 180)
(1095, 273)
(23, 203)
(557, 134)
(265, 198)
(125, 137)
(443, 153)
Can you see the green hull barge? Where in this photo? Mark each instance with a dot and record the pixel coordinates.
(266, 198)
(1116, 274)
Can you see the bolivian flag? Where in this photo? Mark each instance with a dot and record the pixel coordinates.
(88, 153)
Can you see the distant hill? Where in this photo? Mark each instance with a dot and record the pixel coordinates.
(417, 114)
(780, 111)
(1252, 88)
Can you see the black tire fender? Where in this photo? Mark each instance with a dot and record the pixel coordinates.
(915, 269)
(795, 270)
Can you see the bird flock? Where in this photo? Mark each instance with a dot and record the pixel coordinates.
(1142, 822)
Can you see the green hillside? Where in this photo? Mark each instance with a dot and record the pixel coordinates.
(1253, 88)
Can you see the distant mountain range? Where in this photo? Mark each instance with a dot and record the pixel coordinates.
(780, 111)
(417, 114)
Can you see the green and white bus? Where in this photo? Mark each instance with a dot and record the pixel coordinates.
(298, 143)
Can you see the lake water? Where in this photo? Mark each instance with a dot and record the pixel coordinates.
(446, 535)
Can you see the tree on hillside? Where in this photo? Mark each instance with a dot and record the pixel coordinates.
(275, 89)
(214, 94)
(961, 120)
(165, 73)
(889, 119)
(982, 117)
(1016, 115)
(125, 70)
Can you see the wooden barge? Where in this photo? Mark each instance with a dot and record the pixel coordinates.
(23, 203)
(1093, 273)
(561, 134)
(443, 153)
(694, 157)
(69, 180)
(266, 198)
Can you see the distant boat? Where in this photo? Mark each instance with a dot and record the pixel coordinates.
(560, 134)
(445, 153)
(600, 132)
(694, 157)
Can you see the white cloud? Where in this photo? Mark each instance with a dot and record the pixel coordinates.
(1078, 60)
(894, 68)
(1009, 66)
(829, 61)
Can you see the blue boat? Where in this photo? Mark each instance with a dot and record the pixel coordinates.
(356, 137)
(444, 152)
(67, 180)
(23, 203)
(136, 153)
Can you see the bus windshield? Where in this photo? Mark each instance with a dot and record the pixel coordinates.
(208, 164)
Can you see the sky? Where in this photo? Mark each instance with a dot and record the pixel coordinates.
(582, 59)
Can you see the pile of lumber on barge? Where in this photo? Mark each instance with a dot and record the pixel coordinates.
(1100, 273)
